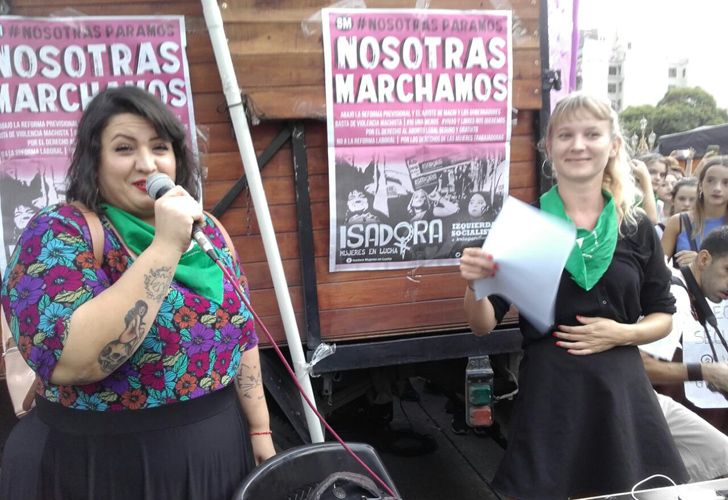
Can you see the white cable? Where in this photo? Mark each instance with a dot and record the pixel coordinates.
(647, 479)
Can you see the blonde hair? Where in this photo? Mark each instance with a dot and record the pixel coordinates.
(698, 210)
(617, 179)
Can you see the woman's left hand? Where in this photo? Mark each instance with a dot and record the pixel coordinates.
(592, 336)
(685, 257)
(263, 448)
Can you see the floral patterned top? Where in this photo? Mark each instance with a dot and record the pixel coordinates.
(193, 347)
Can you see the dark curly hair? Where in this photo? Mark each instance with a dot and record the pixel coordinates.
(82, 177)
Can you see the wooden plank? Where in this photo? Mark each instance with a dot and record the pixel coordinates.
(250, 248)
(307, 69)
(97, 8)
(388, 291)
(381, 4)
(210, 108)
(349, 324)
(264, 300)
(259, 276)
(275, 327)
(265, 36)
(324, 276)
(300, 12)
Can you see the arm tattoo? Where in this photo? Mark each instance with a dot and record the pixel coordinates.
(156, 283)
(247, 382)
(117, 351)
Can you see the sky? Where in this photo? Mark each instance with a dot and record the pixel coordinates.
(669, 30)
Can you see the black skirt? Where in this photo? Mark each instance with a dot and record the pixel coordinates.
(188, 450)
(584, 426)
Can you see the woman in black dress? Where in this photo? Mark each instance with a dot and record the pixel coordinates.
(586, 420)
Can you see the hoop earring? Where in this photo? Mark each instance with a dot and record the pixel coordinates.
(546, 169)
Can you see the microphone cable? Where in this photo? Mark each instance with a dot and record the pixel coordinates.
(292, 374)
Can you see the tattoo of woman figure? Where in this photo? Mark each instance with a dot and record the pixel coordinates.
(156, 283)
(247, 379)
(117, 351)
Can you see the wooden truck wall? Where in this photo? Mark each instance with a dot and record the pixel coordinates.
(278, 56)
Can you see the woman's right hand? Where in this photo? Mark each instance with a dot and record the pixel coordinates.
(174, 213)
(476, 264)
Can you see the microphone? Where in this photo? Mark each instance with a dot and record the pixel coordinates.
(157, 185)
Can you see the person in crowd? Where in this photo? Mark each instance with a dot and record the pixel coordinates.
(704, 449)
(657, 167)
(674, 168)
(683, 234)
(149, 367)
(586, 420)
(684, 194)
(643, 182)
(664, 198)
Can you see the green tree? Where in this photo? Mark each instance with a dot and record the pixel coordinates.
(631, 116)
(680, 109)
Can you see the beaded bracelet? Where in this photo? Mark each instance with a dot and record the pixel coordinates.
(262, 433)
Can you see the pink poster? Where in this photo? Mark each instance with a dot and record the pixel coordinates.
(50, 69)
(419, 123)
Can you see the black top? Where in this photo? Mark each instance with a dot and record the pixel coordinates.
(588, 425)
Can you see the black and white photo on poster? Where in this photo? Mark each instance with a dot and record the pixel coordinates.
(396, 211)
(27, 186)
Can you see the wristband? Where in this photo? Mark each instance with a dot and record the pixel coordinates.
(695, 372)
(261, 433)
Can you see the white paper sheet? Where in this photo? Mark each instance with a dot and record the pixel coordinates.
(531, 248)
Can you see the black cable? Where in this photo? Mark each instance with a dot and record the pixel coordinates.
(292, 374)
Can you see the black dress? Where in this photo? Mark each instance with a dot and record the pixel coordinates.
(589, 425)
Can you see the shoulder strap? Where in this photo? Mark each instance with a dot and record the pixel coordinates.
(226, 236)
(95, 229)
(685, 222)
(674, 280)
(702, 309)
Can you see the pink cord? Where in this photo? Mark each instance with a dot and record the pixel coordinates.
(298, 385)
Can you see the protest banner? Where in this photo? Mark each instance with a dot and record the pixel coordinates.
(51, 68)
(419, 122)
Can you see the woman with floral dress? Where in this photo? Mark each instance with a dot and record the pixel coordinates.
(149, 367)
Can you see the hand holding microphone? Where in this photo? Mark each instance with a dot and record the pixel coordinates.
(158, 185)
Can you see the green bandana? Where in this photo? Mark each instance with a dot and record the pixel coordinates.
(593, 250)
(195, 269)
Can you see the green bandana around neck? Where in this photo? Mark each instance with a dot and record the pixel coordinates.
(195, 269)
(593, 250)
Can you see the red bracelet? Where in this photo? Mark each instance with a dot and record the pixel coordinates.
(262, 433)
